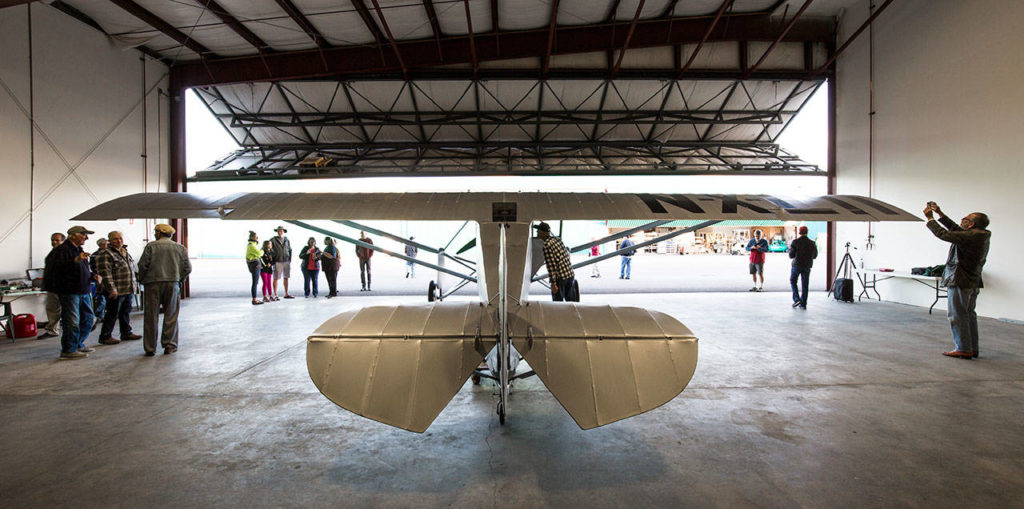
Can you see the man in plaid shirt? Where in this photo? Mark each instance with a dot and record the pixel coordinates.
(114, 264)
(556, 258)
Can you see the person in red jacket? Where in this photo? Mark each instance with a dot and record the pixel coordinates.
(364, 254)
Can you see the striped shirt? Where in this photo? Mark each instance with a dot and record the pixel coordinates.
(556, 257)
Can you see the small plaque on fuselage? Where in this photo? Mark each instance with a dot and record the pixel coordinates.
(503, 212)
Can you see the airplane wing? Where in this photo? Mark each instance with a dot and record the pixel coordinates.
(605, 363)
(483, 207)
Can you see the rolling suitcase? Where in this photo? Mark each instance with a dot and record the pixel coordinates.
(842, 289)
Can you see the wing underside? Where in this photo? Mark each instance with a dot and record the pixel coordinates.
(480, 207)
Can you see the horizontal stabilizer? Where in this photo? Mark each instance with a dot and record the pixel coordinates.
(399, 365)
(605, 363)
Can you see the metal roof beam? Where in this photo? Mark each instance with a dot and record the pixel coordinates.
(234, 24)
(391, 38)
(778, 39)
(629, 35)
(711, 27)
(352, 61)
(428, 5)
(293, 12)
(164, 27)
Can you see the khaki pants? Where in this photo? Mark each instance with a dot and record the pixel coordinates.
(52, 312)
(160, 295)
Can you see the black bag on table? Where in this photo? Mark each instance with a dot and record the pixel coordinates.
(842, 289)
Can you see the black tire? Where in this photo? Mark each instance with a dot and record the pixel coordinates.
(432, 292)
(501, 414)
(476, 379)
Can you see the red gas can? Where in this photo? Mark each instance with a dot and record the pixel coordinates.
(24, 326)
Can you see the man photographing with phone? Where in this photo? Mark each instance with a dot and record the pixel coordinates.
(962, 276)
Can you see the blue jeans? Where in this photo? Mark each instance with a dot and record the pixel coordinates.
(76, 318)
(311, 276)
(962, 318)
(626, 262)
(804, 273)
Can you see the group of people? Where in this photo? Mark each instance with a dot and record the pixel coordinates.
(271, 263)
(84, 288)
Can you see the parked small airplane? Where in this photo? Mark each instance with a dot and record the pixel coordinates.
(400, 365)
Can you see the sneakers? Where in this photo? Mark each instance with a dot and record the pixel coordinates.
(67, 356)
(109, 341)
(169, 350)
(86, 349)
(130, 337)
(796, 303)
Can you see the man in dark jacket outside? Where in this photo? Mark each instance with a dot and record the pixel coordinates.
(67, 274)
(803, 251)
(962, 275)
(364, 254)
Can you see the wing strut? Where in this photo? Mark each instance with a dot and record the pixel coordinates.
(645, 243)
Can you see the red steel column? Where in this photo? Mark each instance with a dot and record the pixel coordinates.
(177, 183)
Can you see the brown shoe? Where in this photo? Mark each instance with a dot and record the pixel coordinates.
(130, 337)
(958, 354)
(109, 341)
(974, 354)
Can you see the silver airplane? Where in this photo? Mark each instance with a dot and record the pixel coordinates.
(401, 365)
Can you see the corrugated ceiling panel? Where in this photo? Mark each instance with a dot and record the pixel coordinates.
(786, 55)
(596, 60)
(407, 20)
(446, 96)
(452, 18)
(651, 9)
(647, 58)
(315, 95)
(524, 14)
(583, 94)
(340, 27)
(582, 12)
(508, 95)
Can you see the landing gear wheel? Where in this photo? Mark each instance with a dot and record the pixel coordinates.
(501, 414)
(432, 292)
(476, 379)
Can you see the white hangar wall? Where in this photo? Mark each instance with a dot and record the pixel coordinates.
(91, 124)
(947, 127)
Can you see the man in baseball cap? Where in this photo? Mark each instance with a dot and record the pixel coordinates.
(556, 258)
(70, 278)
(79, 230)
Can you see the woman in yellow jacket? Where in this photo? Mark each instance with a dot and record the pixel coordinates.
(253, 255)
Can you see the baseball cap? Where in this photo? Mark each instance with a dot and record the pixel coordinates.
(79, 229)
(165, 229)
(803, 230)
(544, 227)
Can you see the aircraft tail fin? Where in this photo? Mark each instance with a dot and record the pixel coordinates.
(399, 365)
(605, 363)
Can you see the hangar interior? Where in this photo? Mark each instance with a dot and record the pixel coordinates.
(846, 404)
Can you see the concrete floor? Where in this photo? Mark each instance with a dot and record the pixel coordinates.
(842, 405)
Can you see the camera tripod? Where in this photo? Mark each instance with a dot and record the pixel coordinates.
(847, 267)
